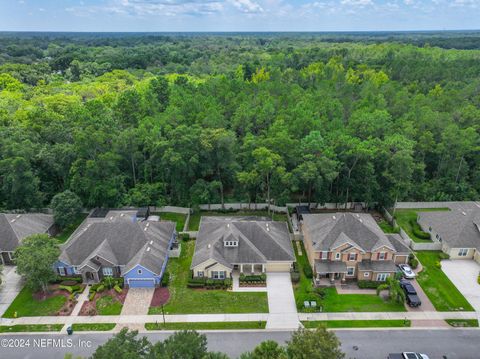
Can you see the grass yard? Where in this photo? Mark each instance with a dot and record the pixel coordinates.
(437, 286)
(206, 326)
(403, 217)
(31, 328)
(63, 236)
(387, 227)
(462, 323)
(108, 305)
(93, 327)
(25, 305)
(184, 300)
(334, 302)
(195, 217)
(357, 323)
(179, 218)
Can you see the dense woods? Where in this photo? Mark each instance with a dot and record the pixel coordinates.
(189, 119)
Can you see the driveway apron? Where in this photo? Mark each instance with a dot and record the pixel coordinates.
(281, 302)
(11, 285)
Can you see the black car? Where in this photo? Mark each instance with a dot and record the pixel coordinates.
(411, 294)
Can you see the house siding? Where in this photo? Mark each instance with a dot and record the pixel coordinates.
(145, 275)
(69, 271)
(454, 253)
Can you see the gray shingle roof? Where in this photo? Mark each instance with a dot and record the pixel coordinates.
(15, 227)
(377, 266)
(331, 230)
(459, 227)
(120, 240)
(330, 267)
(260, 240)
(398, 243)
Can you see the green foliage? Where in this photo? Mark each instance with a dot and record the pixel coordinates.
(417, 230)
(124, 344)
(118, 289)
(307, 270)
(66, 208)
(368, 284)
(165, 279)
(185, 344)
(395, 292)
(314, 344)
(35, 258)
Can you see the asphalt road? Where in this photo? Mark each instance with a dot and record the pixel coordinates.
(371, 344)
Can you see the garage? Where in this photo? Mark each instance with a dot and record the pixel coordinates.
(278, 266)
(141, 283)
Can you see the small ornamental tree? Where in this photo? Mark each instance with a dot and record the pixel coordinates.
(314, 344)
(35, 258)
(125, 344)
(66, 208)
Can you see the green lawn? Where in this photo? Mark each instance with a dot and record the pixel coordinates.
(184, 300)
(357, 323)
(206, 326)
(403, 217)
(195, 217)
(179, 218)
(107, 305)
(334, 302)
(387, 227)
(93, 327)
(26, 306)
(436, 285)
(462, 322)
(67, 232)
(31, 328)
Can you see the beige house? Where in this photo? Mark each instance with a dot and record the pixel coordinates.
(348, 246)
(458, 229)
(249, 245)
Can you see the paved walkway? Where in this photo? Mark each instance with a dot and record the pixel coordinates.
(11, 285)
(236, 285)
(464, 273)
(136, 303)
(281, 302)
(82, 298)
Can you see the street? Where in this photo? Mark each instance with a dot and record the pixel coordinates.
(359, 344)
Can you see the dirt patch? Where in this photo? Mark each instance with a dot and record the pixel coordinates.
(160, 296)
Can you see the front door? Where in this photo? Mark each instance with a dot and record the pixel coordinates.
(89, 276)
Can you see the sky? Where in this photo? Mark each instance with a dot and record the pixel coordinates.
(238, 15)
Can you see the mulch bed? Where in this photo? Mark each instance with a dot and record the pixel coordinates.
(90, 307)
(160, 296)
(54, 291)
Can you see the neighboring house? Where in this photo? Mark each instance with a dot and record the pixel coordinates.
(16, 227)
(349, 246)
(458, 230)
(245, 244)
(118, 243)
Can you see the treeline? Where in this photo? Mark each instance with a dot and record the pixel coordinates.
(202, 119)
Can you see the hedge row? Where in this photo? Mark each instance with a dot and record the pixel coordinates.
(209, 283)
(262, 278)
(417, 231)
(368, 284)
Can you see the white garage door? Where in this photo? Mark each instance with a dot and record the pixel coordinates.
(278, 267)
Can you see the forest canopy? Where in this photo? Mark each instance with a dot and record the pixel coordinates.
(186, 119)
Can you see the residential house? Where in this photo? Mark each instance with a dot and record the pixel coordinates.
(348, 246)
(245, 244)
(118, 243)
(15, 227)
(458, 229)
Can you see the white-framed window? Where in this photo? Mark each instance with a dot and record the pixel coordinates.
(75, 270)
(231, 243)
(352, 256)
(366, 274)
(382, 256)
(218, 274)
(338, 256)
(462, 252)
(139, 271)
(200, 273)
(61, 271)
(350, 271)
(324, 255)
(382, 277)
(107, 271)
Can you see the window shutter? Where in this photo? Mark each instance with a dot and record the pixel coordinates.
(378, 255)
(356, 256)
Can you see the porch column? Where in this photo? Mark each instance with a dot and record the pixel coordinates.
(253, 267)
(263, 268)
(241, 268)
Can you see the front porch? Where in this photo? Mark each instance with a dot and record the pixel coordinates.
(249, 268)
(329, 273)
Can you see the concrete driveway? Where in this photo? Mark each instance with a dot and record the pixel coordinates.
(281, 302)
(11, 285)
(464, 273)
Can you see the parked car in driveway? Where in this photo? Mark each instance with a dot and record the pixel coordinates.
(407, 272)
(410, 294)
(407, 355)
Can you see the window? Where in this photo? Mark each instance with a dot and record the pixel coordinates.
(218, 274)
(337, 256)
(61, 271)
(324, 255)
(230, 243)
(200, 273)
(429, 229)
(463, 252)
(382, 256)
(107, 271)
(382, 277)
(366, 274)
(350, 271)
(352, 256)
(139, 271)
(75, 270)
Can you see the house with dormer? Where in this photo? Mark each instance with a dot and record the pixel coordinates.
(249, 245)
(118, 243)
(351, 246)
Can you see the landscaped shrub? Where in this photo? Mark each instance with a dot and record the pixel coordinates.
(412, 261)
(295, 277)
(69, 282)
(186, 237)
(91, 295)
(307, 270)
(117, 289)
(368, 284)
(254, 278)
(228, 283)
(108, 282)
(438, 264)
(442, 255)
(417, 231)
(478, 279)
(69, 288)
(196, 282)
(165, 279)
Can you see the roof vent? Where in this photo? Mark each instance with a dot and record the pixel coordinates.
(151, 242)
(228, 225)
(464, 213)
(145, 229)
(13, 220)
(148, 224)
(358, 216)
(361, 220)
(122, 214)
(209, 246)
(148, 249)
(111, 218)
(19, 215)
(334, 217)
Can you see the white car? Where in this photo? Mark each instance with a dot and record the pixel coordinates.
(407, 271)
